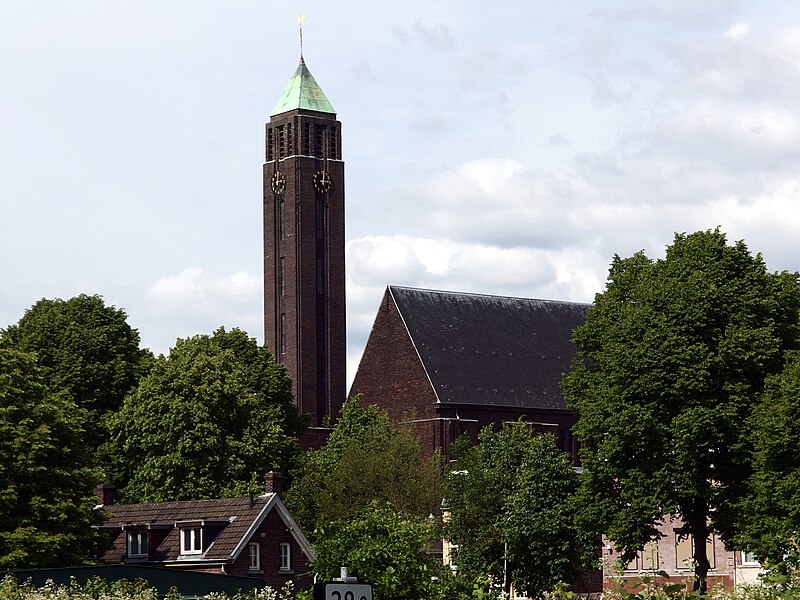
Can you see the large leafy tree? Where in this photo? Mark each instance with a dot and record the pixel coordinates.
(389, 550)
(46, 487)
(85, 348)
(769, 514)
(369, 499)
(366, 458)
(510, 501)
(674, 353)
(209, 420)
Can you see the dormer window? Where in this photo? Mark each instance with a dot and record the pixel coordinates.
(192, 540)
(138, 544)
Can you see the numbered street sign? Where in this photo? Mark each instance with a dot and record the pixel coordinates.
(342, 591)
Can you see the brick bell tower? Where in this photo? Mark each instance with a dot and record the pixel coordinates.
(304, 293)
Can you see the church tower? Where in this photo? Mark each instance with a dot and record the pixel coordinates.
(304, 293)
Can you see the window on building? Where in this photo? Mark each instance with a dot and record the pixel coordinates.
(191, 540)
(270, 145)
(334, 144)
(281, 142)
(307, 139)
(650, 556)
(138, 544)
(255, 556)
(282, 277)
(749, 559)
(282, 218)
(684, 554)
(286, 557)
(633, 565)
(319, 136)
(282, 342)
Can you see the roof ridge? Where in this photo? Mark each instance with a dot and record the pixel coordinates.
(485, 295)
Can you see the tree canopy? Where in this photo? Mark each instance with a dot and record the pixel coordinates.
(46, 486)
(672, 356)
(510, 502)
(209, 420)
(388, 549)
(366, 458)
(769, 514)
(85, 348)
(370, 500)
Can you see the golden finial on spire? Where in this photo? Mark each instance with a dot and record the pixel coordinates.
(300, 19)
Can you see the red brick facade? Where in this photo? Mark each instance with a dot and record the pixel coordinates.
(304, 285)
(269, 537)
(671, 554)
(392, 375)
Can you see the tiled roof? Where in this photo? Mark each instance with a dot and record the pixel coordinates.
(491, 350)
(233, 516)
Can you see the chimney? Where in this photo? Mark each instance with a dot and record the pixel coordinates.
(273, 483)
(105, 494)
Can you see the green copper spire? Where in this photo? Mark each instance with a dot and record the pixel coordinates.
(304, 92)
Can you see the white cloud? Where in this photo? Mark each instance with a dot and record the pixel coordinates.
(196, 302)
(738, 30)
(193, 289)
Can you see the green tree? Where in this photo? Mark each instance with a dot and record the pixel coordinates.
(769, 514)
(209, 420)
(674, 353)
(388, 549)
(366, 458)
(46, 487)
(85, 348)
(369, 499)
(510, 502)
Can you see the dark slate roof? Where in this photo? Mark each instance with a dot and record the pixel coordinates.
(233, 516)
(491, 350)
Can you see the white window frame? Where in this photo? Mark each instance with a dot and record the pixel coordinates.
(142, 540)
(749, 559)
(255, 556)
(286, 556)
(191, 540)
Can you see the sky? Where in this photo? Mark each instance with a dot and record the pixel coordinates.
(509, 149)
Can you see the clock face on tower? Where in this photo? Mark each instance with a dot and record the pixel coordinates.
(322, 181)
(278, 183)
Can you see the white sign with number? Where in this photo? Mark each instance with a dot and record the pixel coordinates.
(348, 591)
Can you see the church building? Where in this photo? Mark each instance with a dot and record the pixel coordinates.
(452, 363)
(448, 362)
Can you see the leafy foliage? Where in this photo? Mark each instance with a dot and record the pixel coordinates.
(674, 352)
(46, 487)
(85, 348)
(366, 458)
(123, 589)
(769, 515)
(366, 499)
(510, 502)
(387, 549)
(208, 421)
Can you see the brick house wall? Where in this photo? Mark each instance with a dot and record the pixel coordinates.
(270, 535)
(667, 554)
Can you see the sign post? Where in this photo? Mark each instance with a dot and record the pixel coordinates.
(342, 588)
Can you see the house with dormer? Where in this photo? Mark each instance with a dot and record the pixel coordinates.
(253, 536)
